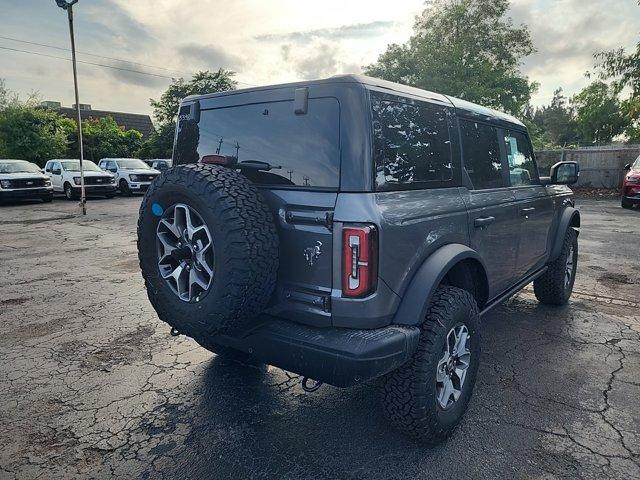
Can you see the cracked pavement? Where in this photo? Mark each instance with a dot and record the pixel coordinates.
(93, 386)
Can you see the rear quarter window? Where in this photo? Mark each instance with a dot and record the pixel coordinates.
(302, 150)
(412, 147)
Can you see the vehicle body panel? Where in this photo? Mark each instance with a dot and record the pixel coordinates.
(412, 224)
(24, 185)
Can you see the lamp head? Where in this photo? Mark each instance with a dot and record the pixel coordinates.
(65, 4)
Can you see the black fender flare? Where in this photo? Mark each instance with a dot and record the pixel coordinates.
(570, 219)
(415, 301)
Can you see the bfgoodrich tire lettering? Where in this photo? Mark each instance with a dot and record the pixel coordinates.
(552, 287)
(245, 244)
(410, 394)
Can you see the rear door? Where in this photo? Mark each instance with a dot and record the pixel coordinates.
(492, 215)
(299, 174)
(534, 205)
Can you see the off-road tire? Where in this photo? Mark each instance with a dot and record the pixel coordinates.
(123, 186)
(624, 203)
(550, 288)
(245, 245)
(409, 395)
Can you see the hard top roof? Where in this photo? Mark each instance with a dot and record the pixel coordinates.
(463, 106)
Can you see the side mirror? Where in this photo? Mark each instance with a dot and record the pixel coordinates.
(56, 171)
(627, 166)
(564, 173)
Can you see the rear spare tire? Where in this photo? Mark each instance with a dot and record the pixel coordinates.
(208, 250)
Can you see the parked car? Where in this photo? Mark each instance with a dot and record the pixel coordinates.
(22, 180)
(631, 185)
(160, 164)
(65, 177)
(132, 174)
(351, 228)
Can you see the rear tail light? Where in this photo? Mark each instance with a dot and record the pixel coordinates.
(218, 160)
(359, 261)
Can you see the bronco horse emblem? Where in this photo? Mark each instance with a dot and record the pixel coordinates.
(311, 253)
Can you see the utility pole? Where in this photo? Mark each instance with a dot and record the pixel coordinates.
(68, 6)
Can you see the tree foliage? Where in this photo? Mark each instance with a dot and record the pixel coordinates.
(623, 68)
(464, 48)
(165, 110)
(103, 137)
(36, 134)
(555, 122)
(31, 134)
(599, 115)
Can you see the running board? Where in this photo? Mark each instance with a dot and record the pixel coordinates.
(513, 290)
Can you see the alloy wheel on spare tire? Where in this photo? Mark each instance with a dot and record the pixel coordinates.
(208, 250)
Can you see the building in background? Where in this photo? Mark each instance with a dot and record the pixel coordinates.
(128, 121)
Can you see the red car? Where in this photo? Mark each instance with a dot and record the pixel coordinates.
(631, 185)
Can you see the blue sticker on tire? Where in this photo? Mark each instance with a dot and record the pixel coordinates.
(157, 210)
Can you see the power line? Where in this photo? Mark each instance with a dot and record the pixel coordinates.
(87, 63)
(92, 54)
(99, 56)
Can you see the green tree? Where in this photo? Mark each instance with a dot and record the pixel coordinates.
(465, 48)
(555, 124)
(31, 133)
(159, 144)
(623, 68)
(165, 110)
(102, 138)
(599, 114)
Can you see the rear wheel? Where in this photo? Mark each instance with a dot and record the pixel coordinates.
(624, 203)
(428, 396)
(554, 287)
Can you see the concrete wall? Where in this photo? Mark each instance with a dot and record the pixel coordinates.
(600, 167)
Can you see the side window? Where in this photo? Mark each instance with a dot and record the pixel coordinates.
(47, 167)
(481, 154)
(412, 147)
(522, 167)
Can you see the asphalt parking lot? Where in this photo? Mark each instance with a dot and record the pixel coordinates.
(94, 386)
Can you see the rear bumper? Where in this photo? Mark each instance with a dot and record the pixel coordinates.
(337, 356)
(26, 193)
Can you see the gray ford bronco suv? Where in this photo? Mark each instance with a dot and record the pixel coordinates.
(351, 229)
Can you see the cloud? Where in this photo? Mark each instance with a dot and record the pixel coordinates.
(317, 61)
(208, 56)
(128, 73)
(358, 30)
(567, 34)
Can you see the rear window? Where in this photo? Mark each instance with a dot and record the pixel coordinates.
(302, 150)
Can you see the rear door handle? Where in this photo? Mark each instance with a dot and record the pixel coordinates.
(483, 221)
(525, 212)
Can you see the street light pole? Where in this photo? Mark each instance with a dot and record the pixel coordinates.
(68, 6)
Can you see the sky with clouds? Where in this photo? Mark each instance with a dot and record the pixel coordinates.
(267, 42)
